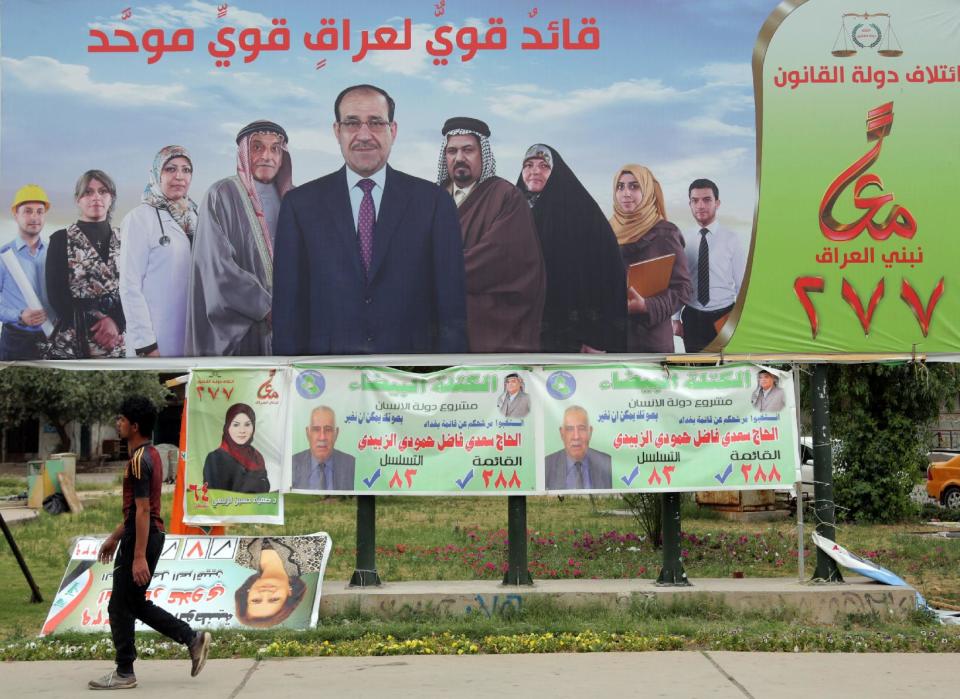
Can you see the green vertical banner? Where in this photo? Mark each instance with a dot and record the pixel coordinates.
(858, 149)
(380, 431)
(236, 421)
(649, 428)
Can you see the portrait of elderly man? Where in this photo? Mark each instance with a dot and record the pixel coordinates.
(369, 259)
(231, 281)
(505, 277)
(768, 396)
(577, 466)
(515, 401)
(586, 281)
(321, 466)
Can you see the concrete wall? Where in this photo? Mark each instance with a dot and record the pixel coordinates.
(49, 439)
(820, 603)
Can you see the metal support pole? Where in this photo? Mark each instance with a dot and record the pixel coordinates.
(672, 572)
(517, 572)
(801, 565)
(798, 486)
(365, 573)
(35, 595)
(824, 510)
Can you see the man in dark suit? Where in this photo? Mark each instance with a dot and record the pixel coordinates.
(321, 467)
(577, 466)
(368, 259)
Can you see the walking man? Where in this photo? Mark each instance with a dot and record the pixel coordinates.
(140, 537)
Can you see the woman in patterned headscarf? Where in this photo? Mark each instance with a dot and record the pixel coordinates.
(639, 221)
(155, 258)
(82, 279)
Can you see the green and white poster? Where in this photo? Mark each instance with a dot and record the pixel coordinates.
(235, 434)
(656, 429)
(381, 431)
(499, 430)
(854, 245)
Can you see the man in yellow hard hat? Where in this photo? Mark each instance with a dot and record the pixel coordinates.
(22, 330)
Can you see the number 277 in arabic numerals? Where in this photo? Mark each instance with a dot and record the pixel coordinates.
(804, 286)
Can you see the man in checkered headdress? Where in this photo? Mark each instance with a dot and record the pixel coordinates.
(505, 278)
(231, 284)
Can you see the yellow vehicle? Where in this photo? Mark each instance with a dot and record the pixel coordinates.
(943, 482)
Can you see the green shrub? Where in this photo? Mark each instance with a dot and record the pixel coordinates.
(882, 414)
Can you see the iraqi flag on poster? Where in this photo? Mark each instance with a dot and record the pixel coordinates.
(75, 585)
(68, 597)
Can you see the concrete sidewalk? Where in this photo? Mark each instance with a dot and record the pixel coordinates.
(686, 675)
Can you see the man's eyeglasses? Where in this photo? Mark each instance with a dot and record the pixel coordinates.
(354, 125)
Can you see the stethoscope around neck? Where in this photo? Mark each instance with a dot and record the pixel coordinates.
(164, 238)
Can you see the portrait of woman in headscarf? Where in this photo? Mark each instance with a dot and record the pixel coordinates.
(83, 285)
(236, 464)
(640, 223)
(154, 262)
(274, 591)
(584, 310)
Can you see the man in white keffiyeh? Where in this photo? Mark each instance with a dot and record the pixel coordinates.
(231, 285)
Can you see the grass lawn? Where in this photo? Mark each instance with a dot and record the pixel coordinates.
(12, 485)
(465, 538)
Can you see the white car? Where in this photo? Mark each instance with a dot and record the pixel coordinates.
(806, 466)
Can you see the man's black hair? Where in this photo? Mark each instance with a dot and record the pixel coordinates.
(140, 411)
(391, 105)
(703, 183)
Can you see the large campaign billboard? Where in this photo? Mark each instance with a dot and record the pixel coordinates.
(856, 147)
(192, 178)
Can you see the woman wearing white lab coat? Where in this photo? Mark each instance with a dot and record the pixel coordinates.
(155, 241)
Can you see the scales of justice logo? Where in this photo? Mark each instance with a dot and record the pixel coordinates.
(866, 30)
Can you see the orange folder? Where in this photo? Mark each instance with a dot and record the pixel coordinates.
(652, 276)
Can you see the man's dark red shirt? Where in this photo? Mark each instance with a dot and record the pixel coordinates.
(142, 478)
